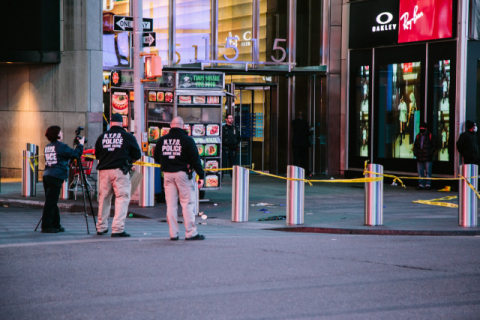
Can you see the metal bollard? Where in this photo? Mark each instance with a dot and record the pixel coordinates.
(28, 175)
(374, 197)
(196, 195)
(240, 194)
(34, 149)
(467, 199)
(295, 196)
(147, 186)
(64, 190)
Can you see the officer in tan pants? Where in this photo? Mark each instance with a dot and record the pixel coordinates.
(116, 150)
(178, 155)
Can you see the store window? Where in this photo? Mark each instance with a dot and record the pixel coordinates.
(116, 44)
(193, 21)
(158, 11)
(441, 107)
(399, 108)
(362, 105)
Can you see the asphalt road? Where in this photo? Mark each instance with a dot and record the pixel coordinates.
(239, 272)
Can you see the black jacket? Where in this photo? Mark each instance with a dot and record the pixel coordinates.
(467, 146)
(114, 147)
(230, 137)
(429, 147)
(301, 133)
(176, 151)
(57, 155)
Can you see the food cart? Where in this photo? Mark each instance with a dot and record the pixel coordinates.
(197, 97)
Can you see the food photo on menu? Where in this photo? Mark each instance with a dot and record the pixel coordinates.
(211, 150)
(198, 130)
(152, 96)
(168, 97)
(120, 103)
(213, 130)
(185, 99)
(201, 149)
(153, 134)
(160, 96)
(199, 99)
(211, 181)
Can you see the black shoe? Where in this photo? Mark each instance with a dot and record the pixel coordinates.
(197, 237)
(61, 229)
(174, 239)
(428, 187)
(102, 233)
(50, 230)
(420, 188)
(123, 234)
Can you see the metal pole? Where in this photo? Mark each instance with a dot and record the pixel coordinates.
(196, 200)
(147, 186)
(172, 19)
(374, 197)
(138, 70)
(33, 148)
(64, 190)
(240, 193)
(467, 199)
(295, 196)
(28, 175)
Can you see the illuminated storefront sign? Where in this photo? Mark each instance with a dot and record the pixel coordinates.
(422, 20)
(373, 23)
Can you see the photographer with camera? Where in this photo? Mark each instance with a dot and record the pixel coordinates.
(115, 150)
(178, 155)
(57, 155)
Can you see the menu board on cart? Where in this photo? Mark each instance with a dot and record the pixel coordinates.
(197, 98)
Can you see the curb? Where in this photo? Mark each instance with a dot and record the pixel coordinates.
(380, 232)
(37, 204)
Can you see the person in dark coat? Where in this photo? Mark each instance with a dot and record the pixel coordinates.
(467, 144)
(301, 143)
(57, 156)
(424, 148)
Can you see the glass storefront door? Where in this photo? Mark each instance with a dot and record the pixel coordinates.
(251, 117)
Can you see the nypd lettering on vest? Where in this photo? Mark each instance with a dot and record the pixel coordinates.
(112, 141)
(171, 148)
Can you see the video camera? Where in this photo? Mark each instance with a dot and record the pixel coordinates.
(77, 135)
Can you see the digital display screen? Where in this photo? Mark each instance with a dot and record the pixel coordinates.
(400, 103)
(422, 20)
(441, 108)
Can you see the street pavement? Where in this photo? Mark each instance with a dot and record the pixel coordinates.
(241, 271)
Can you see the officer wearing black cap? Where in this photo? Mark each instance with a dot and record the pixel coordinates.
(467, 144)
(116, 150)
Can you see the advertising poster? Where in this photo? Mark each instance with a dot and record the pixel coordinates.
(422, 20)
(399, 109)
(441, 108)
(363, 107)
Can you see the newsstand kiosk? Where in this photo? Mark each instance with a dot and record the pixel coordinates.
(197, 97)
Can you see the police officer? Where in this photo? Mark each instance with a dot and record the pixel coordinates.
(230, 140)
(178, 155)
(116, 150)
(57, 155)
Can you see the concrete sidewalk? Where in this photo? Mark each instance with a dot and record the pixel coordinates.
(329, 208)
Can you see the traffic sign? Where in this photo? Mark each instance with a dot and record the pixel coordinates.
(125, 23)
(149, 39)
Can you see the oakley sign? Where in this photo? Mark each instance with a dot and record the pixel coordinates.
(382, 19)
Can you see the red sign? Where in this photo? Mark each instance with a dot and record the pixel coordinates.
(422, 20)
(408, 67)
(115, 78)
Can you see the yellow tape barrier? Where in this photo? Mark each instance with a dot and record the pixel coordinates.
(435, 202)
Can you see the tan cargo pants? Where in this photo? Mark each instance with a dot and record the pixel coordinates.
(113, 181)
(177, 184)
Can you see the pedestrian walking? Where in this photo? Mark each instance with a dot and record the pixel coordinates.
(467, 144)
(57, 155)
(116, 151)
(230, 140)
(178, 155)
(301, 143)
(424, 148)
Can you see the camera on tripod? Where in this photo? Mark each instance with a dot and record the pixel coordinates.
(77, 137)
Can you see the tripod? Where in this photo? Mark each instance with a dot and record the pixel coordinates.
(86, 193)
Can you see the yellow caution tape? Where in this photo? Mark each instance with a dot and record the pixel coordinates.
(105, 118)
(146, 164)
(434, 202)
(31, 165)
